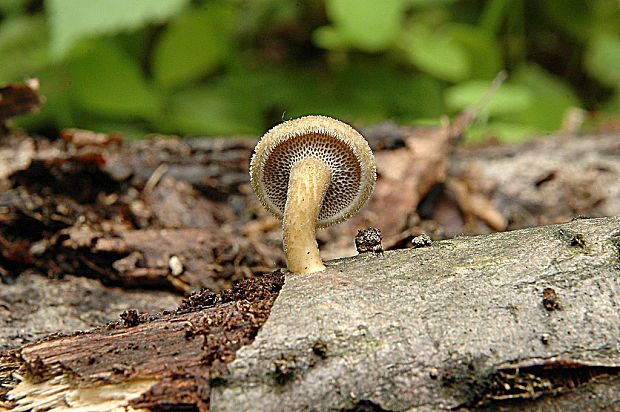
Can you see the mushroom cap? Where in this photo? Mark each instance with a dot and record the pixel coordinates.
(337, 144)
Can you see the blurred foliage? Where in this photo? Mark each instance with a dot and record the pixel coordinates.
(223, 67)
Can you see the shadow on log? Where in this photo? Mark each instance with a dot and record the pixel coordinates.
(523, 319)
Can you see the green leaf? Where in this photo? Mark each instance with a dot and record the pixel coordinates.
(419, 97)
(56, 112)
(613, 105)
(551, 98)
(371, 92)
(107, 82)
(12, 6)
(508, 99)
(436, 53)
(367, 25)
(257, 15)
(193, 45)
(329, 37)
(503, 131)
(602, 59)
(23, 47)
(493, 15)
(212, 110)
(534, 99)
(365, 91)
(481, 47)
(71, 20)
(573, 17)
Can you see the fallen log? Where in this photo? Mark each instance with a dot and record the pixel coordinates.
(463, 323)
(528, 318)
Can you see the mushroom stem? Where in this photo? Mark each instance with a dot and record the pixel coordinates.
(307, 186)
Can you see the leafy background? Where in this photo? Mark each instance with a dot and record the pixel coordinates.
(224, 67)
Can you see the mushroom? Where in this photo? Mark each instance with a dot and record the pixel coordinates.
(311, 172)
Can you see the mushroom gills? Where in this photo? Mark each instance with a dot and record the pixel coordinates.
(308, 183)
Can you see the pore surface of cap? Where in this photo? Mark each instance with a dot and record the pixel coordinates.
(338, 145)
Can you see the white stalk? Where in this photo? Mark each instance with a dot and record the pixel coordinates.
(308, 184)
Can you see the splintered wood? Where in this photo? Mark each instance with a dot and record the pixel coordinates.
(164, 361)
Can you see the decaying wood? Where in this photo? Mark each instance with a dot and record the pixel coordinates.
(492, 320)
(90, 185)
(34, 306)
(547, 180)
(52, 194)
(156, 362)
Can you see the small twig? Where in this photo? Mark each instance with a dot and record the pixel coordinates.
(456, 128)
(155, 178)
(488, 95)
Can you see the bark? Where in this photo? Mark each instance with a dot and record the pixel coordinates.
(462, 323)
